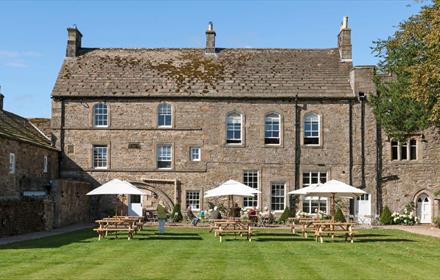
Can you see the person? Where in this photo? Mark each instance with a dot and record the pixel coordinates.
(162, 215)
(236, 211)
(252, 215)
(189, 213)
(215, 214)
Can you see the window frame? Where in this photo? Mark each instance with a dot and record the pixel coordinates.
(266, 116)
(159, 156)
(45, 164)
(94, 114)
(308, 200)
(95, 160)
(199, 153)
(198, 199)
(319, 122)
(407, 146)
(228, 116)
(249, 202)
(170, 114)
(283, 197)
(12, 163)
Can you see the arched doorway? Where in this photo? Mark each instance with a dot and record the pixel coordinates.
(424, 208)
(154, 192)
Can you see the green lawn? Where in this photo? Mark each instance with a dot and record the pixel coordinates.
(197, 254)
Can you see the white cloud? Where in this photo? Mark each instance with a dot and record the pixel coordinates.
(17, 54)
(16, 64)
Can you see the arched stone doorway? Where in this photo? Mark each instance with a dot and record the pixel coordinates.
(156, 190)
(424, 208)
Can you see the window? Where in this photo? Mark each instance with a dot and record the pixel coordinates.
(277, 198)
(164, 156)
(194, 154)
(45, 163)
(100, 115)
(312, 204)
(272, 129)
(193, 200)
(311, 129)
(250, 178)
(164, 115)
(404, 150)
(314, 178)
(100, 155)
(233, 130)
(12, 163)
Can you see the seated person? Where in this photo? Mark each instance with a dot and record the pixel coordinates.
(194, 220)
(236, 211)
(215, 214)
(252, 214)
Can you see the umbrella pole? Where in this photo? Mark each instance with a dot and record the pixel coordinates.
(333, 206)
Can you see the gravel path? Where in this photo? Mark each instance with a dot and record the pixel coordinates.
(419, 229)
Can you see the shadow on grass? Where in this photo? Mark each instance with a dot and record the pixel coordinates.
(164, 237)
(372, 240)
(275, 239)
(274, 234)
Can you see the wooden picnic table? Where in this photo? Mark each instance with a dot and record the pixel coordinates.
(305, 223)
(115, 225)
(233, 227)
(333, 228)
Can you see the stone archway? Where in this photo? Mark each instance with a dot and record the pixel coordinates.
(156, 187)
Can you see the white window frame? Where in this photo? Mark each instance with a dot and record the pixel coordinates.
(101, 162)
(191, 200)
(405, 145)
(268, 128)
(249, 202)
(283, 196)
(309, 199)
(45, 164)
(163, 113)
(308, 120)
(161, 157)
(193, 155)
(238, 141)
(100, 109)
(12, 163)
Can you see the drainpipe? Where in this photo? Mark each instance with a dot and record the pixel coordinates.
(297, 142)
(362, 99)
(350, 152)
(379, 202)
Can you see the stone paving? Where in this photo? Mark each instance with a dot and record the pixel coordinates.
(42, 234)
(419, 229)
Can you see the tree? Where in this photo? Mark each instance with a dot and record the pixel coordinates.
(410, 101)
(385, 216)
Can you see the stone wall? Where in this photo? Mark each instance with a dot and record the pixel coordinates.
(29, 174)
(71, 204)
(18, 216)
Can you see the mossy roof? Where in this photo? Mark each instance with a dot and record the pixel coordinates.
(190, 72)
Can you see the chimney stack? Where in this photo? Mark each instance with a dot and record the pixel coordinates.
(210, 39)
(344, 41)
(1, 99)
(73, 42)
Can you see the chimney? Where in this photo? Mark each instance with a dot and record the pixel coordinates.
(344, 41)
(1, 99)
(73, 42)
(210, 39)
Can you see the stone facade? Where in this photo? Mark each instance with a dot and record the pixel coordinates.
(202, 87)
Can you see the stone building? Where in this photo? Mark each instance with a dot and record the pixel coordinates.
(177, 122)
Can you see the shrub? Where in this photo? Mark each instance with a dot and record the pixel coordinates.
(176, 215)
(339, 216)
(284, 216)
(437, 221)
(385, 216)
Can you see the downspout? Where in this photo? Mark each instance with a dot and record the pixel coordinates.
(297, 143)
(379, 202)
(350, 152)
(62, 124)
(362, 98)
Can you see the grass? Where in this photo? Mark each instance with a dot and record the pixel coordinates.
(197, 254)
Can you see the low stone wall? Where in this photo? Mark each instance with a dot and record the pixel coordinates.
(71, 203)
(20, 216)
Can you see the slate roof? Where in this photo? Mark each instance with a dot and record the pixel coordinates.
(189, 72)
(18, 128)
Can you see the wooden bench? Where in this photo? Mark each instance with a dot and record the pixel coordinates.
(110, 225)
(332, 229)
(221, 232)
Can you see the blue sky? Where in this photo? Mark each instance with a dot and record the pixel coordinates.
(33, 33)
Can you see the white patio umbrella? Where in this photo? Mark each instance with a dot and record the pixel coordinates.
(231, 188)
(333, 189)
(116, 186)
(305, 190)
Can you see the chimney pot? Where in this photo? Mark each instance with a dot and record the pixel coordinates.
(210, 39)
(2, 97)
(73, 41)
